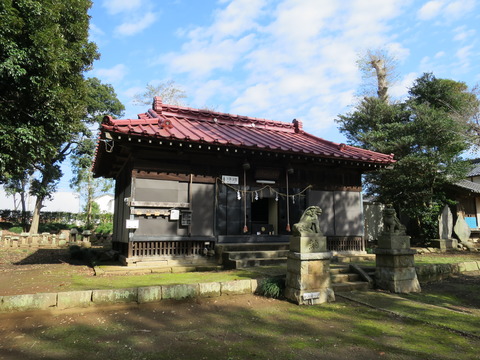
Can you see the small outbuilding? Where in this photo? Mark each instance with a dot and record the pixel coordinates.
(188, 180)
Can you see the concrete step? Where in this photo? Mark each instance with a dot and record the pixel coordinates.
(351, 286)
(345, 278)
(245, 263)
(268, 254)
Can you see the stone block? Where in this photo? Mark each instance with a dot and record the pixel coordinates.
(301, 297)
(236, 287)
(178, 292)
(297, 266)
(394, 261)
(318, 267)
(211, 289)
(308, 244)
(403, 286)
(468, 266)
(149, 294)
(114, 296)
(41, 301)
(395, 274)
(388, 241)
(309, 281)
(445, 244)
(74, 299)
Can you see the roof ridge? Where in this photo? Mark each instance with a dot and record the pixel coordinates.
(216, 116)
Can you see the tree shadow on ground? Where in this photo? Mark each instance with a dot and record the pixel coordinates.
(229, 327)
(49, 256)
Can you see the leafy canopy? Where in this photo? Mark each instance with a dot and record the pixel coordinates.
(44, 51)
(427, 132)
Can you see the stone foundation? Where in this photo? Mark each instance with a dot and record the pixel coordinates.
(308, 278)
(395, 270)
(445, 244)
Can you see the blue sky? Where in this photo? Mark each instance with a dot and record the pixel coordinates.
(279, 59)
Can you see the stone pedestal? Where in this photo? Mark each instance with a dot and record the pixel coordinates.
(395, 264)
(445, 244)
(308, 271)
(308, 244)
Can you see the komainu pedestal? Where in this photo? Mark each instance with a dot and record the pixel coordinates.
(395, 260)
(308, 263)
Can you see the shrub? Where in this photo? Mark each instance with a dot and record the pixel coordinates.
(16, 229)
(272, 287)
(104, 229)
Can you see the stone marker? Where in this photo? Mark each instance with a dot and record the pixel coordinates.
(445, 229)
(445, 223)
(395, 264)
(308, 262)
(462, 230)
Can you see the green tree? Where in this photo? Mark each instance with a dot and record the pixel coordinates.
(101, 101)
(428, 133)
(44, 51)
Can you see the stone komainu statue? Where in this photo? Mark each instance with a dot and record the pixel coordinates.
(391, 223)
(308, 224)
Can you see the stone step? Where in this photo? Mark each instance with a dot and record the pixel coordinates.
(351, 286)
(339, 269)
(268, 254)
(224, 247)
(245, 263)
(346, 259)
(345, 278)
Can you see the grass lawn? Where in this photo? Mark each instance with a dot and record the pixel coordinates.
(80, 282)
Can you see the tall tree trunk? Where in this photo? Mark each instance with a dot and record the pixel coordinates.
(36, 215)
(382, 83)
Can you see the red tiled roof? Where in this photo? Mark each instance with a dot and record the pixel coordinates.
(204, 126)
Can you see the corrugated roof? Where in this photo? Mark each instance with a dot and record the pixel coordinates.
(202, 126)
(475, 171)
(469, 185)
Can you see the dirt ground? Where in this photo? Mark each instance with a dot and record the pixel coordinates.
(227, 328)
(25, 271)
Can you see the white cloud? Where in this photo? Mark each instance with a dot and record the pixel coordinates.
(449, 10)
(462, 33)
(202, 58)
(430, 10)
(136, 25)
(111, 75)
(400, 89)
(457, 9)
(300, 62)
(118, 6)
(464, 56)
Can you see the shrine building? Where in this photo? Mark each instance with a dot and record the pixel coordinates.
(190, 182)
